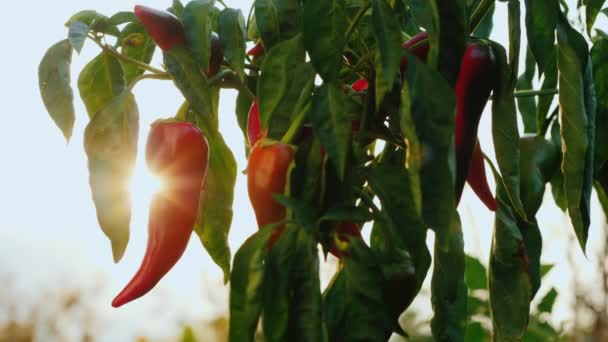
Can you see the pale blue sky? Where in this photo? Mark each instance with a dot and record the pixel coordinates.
(49, 236)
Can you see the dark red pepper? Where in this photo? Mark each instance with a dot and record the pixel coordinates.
(267, 171)
(477, 78)
(475, 82)
(478, 180)
(257, 50)
(178, 152)
(165, 28)
(345, 231)
(217, 56)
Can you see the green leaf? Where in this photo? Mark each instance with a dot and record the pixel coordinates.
(217, 196)
(549, 82)
(527, 105)
(324, 33)
(475, 274)
(387, 33)
(541, 21)
(453, 37)
(110, 142)
(55, 89)
(122, 18)
(599, 56)
(100, 81)
(332, 124)
(177, 8)
(247, 282)
(505, 131)
(138, 45)
(277, 20)
(514, 37)
(546, 304)
(593, 8)
(284, 86)
(434, 118)
(188, 78)
(448, 288)
(545, 269)
(557, 181)
(476, 333)
(96, 21)
(391, 183)
(353, 303)
(486, 25)
(509, 280)
(305, 307)
(77, 34)
(197, 26)
(539, 160)
(231, 29)
(243, 105)
(577, 117)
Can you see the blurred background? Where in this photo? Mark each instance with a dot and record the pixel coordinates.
(57, 276)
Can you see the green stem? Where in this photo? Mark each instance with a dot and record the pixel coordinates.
(222, 3)
(126, 59)
(364, 7)
(251, 67)
(163, 76)
(230, 80)
(532, 92)
(548, 121)
(481, 11)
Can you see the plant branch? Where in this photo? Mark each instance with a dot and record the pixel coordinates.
(532, 92)
(222, 3)
(548, 121)
(126, 58)
(364, 7)
(228, 79)
(481, 11)
(163, 76)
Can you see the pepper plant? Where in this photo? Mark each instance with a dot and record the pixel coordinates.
(352, 112)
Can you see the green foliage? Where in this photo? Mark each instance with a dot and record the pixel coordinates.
(55, 89)
(340, 175)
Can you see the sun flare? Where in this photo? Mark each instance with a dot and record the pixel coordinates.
(144, 184)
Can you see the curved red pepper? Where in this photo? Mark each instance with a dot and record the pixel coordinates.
(267, 170)
(178, 152)
(477, 179)
(475, 82)
(257, 50)
(254, 126)
(345, 231)
(164, 27)
(477, 78)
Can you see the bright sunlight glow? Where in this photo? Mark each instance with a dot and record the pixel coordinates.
(144, 184)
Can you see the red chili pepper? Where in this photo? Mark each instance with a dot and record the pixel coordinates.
(419, 46)
(345, 231)
(475, 82)
(478, 180)
(477, 78)
(164, 27)
(267, 175)
(254, 126)
(179, 153)
(257, 50)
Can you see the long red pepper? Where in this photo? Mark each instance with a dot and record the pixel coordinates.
(475, 82)
(179, 153)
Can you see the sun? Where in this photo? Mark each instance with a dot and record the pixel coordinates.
(144, 184)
